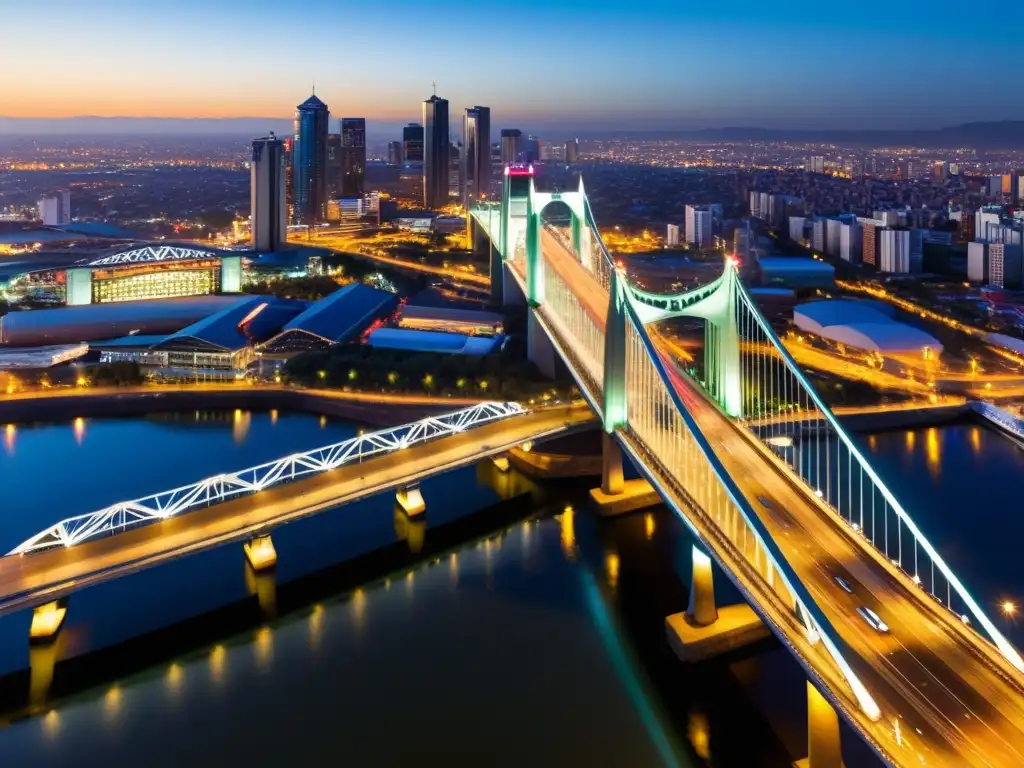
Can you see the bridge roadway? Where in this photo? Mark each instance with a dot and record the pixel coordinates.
(30, 580)
(947, 697)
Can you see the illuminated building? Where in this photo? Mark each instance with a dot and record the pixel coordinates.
(55, 211)
(289, 182)
(815, 164)
(572, 151)
(333, 165)
(268, 211)
(672, 235)
(412, 143)
(510, 141)
(531, 150)
(698, 225)
(476, 154)
(456, 179)
(899, 250)
(552, 153)
(436, 152)
(353, 155)
(395, 153)
(309, 162)
(869, 249)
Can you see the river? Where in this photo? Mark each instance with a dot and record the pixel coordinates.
(531, 634)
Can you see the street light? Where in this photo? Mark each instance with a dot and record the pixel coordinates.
(1009, 609)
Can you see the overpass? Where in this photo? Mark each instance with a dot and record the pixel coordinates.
(244, 506)
(806, 529)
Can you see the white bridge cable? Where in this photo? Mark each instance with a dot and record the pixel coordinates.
(878, 504)
(212, 490)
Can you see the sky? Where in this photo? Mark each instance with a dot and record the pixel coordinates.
(570, 64)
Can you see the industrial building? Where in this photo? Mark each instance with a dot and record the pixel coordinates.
(432, 341)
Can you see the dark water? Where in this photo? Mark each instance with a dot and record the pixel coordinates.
(541, 645)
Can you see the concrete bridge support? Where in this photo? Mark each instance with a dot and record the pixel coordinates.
(260, 553)
(411, 530)
(539, 349)
(410, 500)
(262, 584)
(824, 749)
(501, 461)
(617, 496)
(705, 630)
(46, 621)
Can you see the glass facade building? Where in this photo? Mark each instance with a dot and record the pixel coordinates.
(436, 152)
(309, 162)
(476, 154)
(353, 155)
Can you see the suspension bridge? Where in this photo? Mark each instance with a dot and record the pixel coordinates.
(798, 519)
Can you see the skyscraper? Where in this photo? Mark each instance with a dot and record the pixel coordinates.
(698, 225)
(309, 162)
(268, 222)
(476, 154)
(531, 149)
(353, 155)
(395, 153)
(436, 143)
(412, 143)
(572, 151)
(333, 165)
(511, 138)
(289, 177)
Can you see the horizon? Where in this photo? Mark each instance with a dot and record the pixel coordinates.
(659, 67)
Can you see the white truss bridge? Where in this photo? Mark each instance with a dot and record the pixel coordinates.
(125, 515)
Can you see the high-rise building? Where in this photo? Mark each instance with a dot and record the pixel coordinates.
(672, 235)
(850, 247)
(289, 177)
(1004, 265)
(977, 262)
(353, 155)
(476, 154)
(698, 226)
(900, 250)
(55, 211)
(511, 139)
(815, 164)
(456, 179)
(309, 162)
(395, 153)
(819, 235)
(741, 238)
(572, 151)
(531, 150)
(412, 143)
(869, 246)
(797, 227)
(268, 210)
(333, 165)
(436, 152)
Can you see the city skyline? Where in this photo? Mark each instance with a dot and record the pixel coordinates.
(704, 67)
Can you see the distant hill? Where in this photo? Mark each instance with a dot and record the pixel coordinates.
(1008, 134)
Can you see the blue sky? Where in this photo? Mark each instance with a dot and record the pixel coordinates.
(656, 64)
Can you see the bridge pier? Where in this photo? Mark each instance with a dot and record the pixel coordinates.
(411, 530)
(501, 462)
(42, 659)
(539, 349)
(617, 496)
(262, 584)
(824, 748)
(47, 621)
(260, 553)
(705, 630)
(410, 500)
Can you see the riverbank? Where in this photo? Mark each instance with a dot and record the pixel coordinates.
(375, 409)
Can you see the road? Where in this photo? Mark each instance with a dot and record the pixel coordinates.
(28, 580)
(955, 707)
(947, 699)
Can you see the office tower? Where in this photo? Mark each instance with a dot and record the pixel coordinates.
(476, 154)
(755, 204)
(309, 162)
(511, 139)
(456, 179)
(412, 143)
(353, 155)
(833, 237)
(289, 183)
(333, 166)
(55, 211)
(985, 218)
(698, 226)
(531, 149)
(395, 153)
(672, 235)
(268, 211)
(797, 225)
(572, 151)
(819, 231)
(850, 247)
(900, 250)
(436, 152)
(977, 262)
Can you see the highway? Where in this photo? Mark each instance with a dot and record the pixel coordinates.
(947, 697)
(29, 580)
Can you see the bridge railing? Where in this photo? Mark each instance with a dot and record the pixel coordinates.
(832, 466)
(674, 444)
(212, 490)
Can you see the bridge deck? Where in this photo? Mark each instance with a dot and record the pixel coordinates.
(947, 697)
(28, 580)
